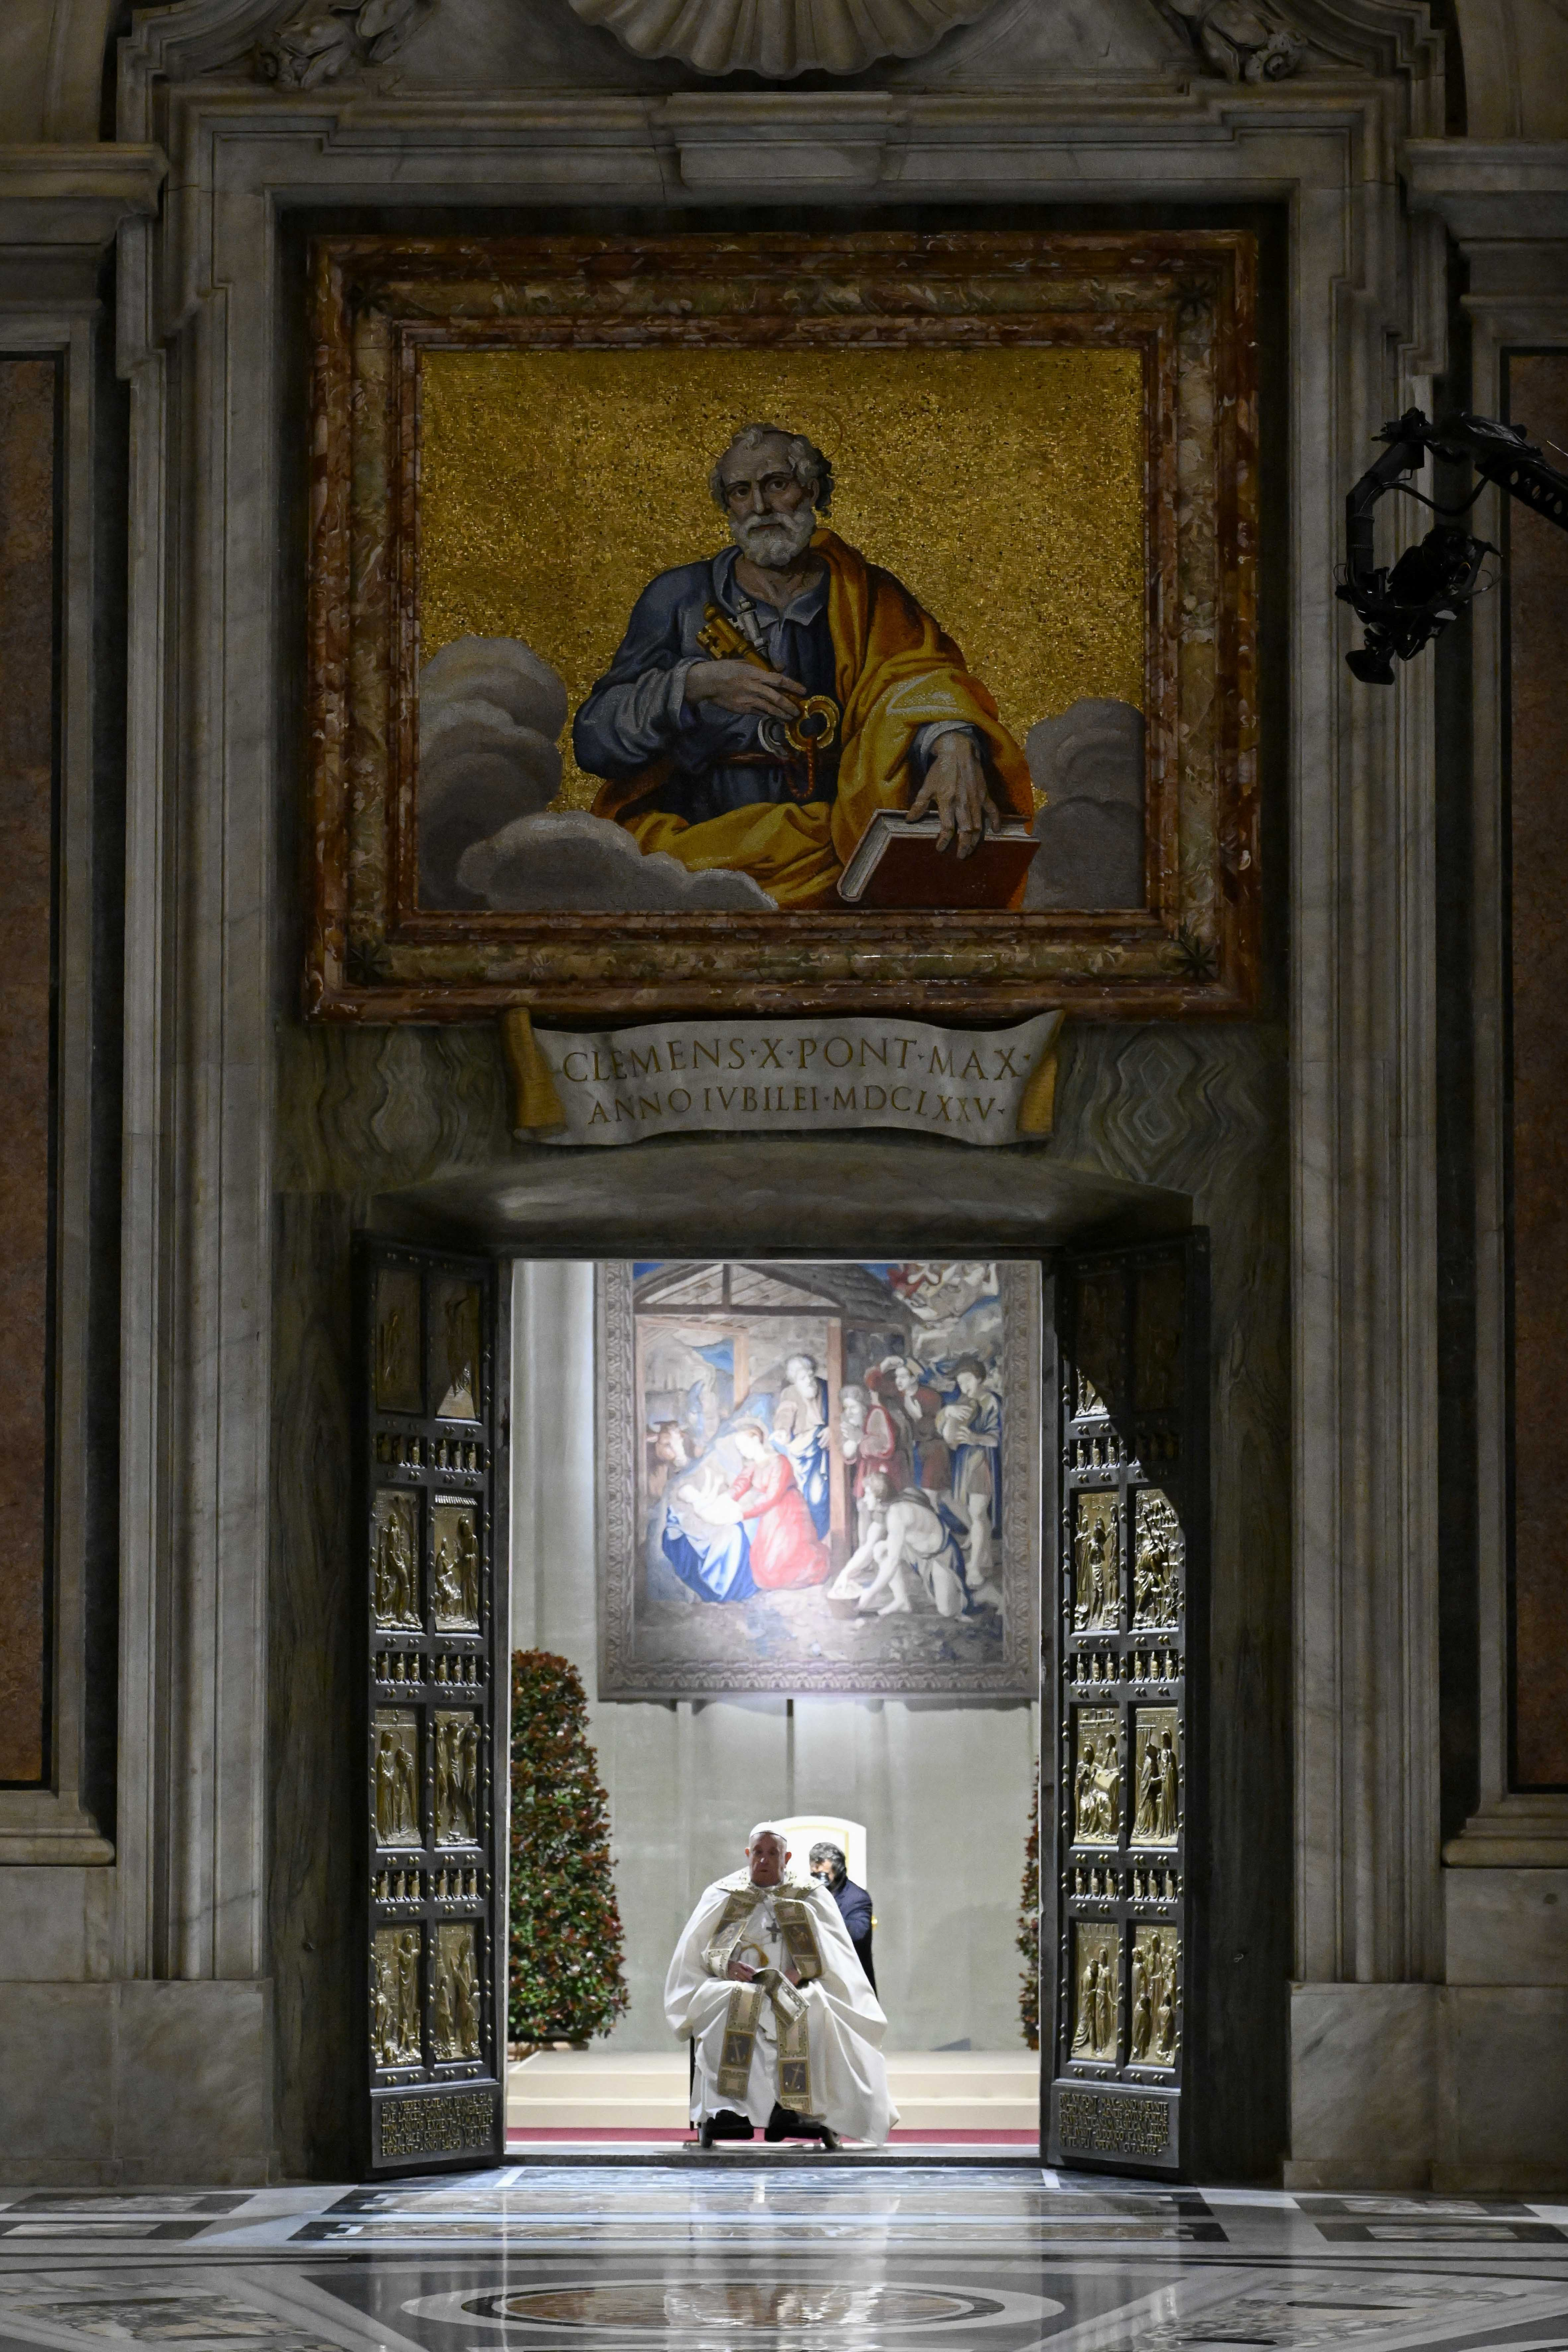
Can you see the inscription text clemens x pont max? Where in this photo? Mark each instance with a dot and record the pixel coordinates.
(984, 1087)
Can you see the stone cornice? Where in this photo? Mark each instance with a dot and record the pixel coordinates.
(1503, 188)
(1519, 1832)
(76, 195)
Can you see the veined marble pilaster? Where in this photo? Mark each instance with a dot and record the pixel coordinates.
(1506, 204)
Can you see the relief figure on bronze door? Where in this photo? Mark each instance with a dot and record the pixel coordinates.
(1158, 1558)
(395, 1998)
(1097, 1776)
(395, 1770)
(1157, 1776)
(396, 1560)
(1156, 1951)
(1096, 1954)
(455, 1569)
(455, 2002)
(399, 1386)
(456, 1778)
(1097, 1562)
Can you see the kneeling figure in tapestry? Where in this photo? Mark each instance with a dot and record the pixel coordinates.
(785, 2030)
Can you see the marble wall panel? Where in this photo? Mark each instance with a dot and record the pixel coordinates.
(57, 2062)
(1363, 2090)
(28, 633)
(177, 2120)
(54, 1923)
(135, 2082)
(1503, 2124)
(1507, 1926)
(1538, 639)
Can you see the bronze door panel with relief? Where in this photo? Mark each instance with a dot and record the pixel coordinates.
(1131, 1617)
(431, 1378)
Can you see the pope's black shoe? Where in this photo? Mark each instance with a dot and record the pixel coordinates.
(725, 2125)
(784, 2124)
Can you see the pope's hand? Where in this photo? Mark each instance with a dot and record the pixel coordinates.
(743, 686)
(792, 1973)
(955, 792)
(739, 1973)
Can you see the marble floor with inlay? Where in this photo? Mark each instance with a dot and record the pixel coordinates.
(710, 2257)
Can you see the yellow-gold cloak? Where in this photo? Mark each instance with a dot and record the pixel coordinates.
(895, 671)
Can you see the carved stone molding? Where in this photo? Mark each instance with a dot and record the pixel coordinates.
(1243, 42)
(53, 196)
(779, 38)
(324, 36)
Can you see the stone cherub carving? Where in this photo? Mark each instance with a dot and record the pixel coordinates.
(321, 37)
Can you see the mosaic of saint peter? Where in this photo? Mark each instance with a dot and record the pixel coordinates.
(765, 704)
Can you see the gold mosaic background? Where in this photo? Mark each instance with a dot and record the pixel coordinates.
(1004, 487)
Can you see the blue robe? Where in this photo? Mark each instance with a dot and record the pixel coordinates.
(716, 1563)
(637, 713)
(807, 1455)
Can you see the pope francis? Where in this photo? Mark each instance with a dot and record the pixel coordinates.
(787, 2031)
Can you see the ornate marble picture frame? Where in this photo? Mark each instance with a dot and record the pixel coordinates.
(1174, 308)
(819, 1477)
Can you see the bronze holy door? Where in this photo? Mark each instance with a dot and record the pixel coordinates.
(1123, 1920)
(431, 1591)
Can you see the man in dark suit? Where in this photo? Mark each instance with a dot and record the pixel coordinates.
(827, 1863)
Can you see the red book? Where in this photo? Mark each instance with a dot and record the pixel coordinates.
(896, 863)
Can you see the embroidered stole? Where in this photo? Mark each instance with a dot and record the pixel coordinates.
(791, 2020)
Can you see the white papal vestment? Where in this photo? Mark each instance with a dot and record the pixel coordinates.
(831, 2023)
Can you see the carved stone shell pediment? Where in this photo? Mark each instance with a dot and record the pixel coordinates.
(779, 38)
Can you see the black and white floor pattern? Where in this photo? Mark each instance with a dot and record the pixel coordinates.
(609, 2258)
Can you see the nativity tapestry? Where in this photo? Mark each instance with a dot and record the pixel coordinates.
(715, 623)
(819, 1477)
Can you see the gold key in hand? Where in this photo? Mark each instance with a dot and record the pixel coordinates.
(811, 732)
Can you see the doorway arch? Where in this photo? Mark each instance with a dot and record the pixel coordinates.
(800, 1198)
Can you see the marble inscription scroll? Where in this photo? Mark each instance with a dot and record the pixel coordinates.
(802, 1077)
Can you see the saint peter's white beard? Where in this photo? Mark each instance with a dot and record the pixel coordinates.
(774, 541)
